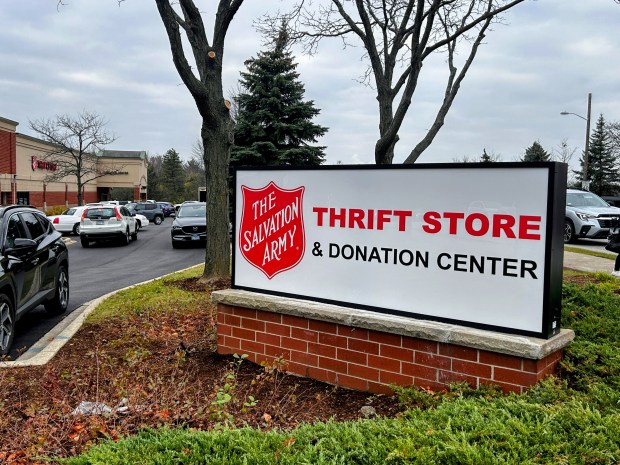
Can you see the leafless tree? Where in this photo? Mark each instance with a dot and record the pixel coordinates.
(564, 153)
(398, 36)
(613, 129)
(75, 142)
(217, 125)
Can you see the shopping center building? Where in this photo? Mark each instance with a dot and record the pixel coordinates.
(25, 171)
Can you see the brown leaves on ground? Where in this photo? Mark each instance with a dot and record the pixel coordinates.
(154, 371)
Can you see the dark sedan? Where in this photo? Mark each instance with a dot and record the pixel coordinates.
(190, 225)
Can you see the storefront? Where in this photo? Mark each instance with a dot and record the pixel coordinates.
(25, 173)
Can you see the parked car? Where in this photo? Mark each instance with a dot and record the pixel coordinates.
(190, 225)
(149, 209)
(105, 222)
(141, 220)
(167, 208)
(34, 271)
(587, 216)
(68, 221)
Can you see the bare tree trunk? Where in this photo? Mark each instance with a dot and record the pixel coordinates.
(217, 142)
(217, 128)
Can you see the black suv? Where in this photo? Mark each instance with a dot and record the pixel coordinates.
(34, 268)
(151, 210)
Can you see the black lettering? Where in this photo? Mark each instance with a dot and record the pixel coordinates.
(439, 261)
(349, 252)
(460, 262)
(529, 266)
(510, 264)
(360, 253)
(374, 255)
(334, 250)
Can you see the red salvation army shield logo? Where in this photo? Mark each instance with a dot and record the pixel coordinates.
(271, 234)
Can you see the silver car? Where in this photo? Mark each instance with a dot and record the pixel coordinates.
(105, 222)
(588, 216)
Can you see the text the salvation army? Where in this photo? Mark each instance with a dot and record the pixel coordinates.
(266, 231)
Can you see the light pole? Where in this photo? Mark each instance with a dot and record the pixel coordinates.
(585, 183)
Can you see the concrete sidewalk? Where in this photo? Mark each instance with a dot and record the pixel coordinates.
(583, 262)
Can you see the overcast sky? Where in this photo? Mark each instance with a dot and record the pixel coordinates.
(115, 61)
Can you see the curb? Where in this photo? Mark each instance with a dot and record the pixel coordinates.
(45, 348)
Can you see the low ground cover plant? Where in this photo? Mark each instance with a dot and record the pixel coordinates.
(173, 400)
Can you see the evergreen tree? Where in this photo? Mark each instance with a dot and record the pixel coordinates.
(602, 164)
(485, 157)
(536, 153)
(154, 177)
(273, 125)
(172, 177)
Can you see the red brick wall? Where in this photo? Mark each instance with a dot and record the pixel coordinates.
(369, 360)
(7, 152)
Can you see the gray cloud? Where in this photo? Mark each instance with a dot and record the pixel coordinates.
(116, 61)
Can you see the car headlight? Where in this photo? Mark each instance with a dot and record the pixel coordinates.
(176, 227)
(585, 216)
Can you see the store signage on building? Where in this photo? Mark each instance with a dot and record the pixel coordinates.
(466, 244)
(43, 165)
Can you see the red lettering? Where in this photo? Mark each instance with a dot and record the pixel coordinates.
(484, 224)
(319, 211)
(453, 218)
(433, 225)
(526, 225)
(340, 217)
(384, 217)
(355, 217)
(504, 223)
(402, 217)
(478, 224)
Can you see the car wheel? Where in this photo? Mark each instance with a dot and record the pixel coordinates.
(138, 225)
(125, 238)
(569, 232)
(7, 324)
(58, 304)
(85, 242)
(157, 220)
(134, 235)
(76, 229)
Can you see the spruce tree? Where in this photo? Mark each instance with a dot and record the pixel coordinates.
(536, 153)
(172, 176)
(485, 157)
(602, 163)
(274, 124)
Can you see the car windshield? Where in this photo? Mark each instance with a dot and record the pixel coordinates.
(192, 210)
(584, 199)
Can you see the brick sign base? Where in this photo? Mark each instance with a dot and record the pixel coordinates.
(349, 348)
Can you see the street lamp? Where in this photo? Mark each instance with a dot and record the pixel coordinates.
(585, 184)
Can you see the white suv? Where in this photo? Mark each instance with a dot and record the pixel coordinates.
(107, 221)
(587, 216)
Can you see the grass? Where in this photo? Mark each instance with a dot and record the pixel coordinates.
(153, 298)
(572, 419)
(593, 253)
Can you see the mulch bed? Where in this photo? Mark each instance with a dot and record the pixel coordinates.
(155, 371)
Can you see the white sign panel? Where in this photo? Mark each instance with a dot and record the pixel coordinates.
(454, 244)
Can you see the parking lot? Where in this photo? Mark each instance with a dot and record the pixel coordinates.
(105, 267)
